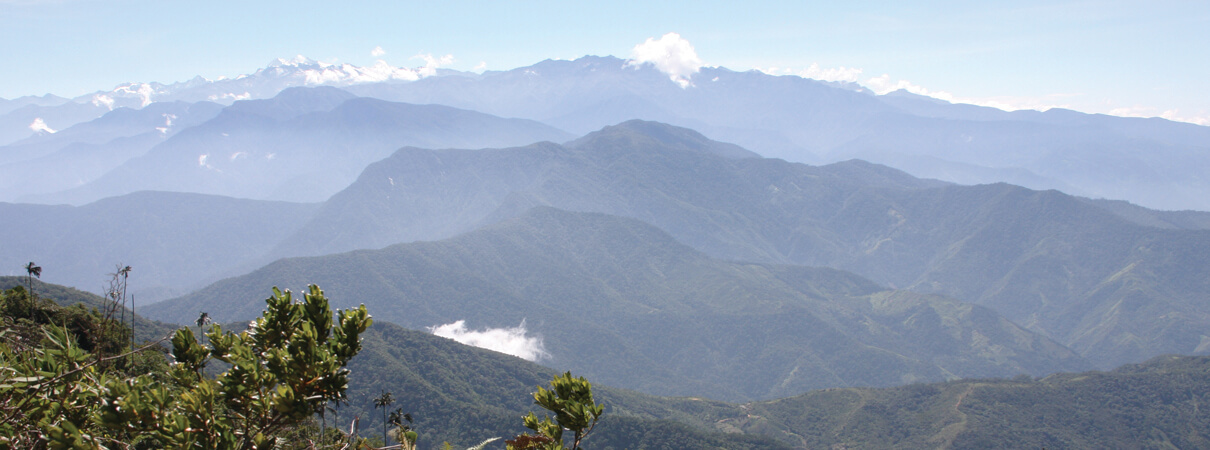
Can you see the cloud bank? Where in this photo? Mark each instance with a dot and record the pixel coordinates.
(512, 341)
(814, 72)
(315, 73)
(431, 63)
(1170, 114)
(671, 54)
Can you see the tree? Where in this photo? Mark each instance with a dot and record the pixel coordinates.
(203, 319)
(383, 401)
(32, 270)
(50, 378)
(402, 432)
(118, 292)
(575, 410)
(283, 369)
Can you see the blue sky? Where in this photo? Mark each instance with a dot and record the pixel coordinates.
(1129, 58)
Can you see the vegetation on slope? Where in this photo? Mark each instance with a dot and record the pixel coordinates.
(1157, 404)
(463, 395)
(144, 329)
(1048, 261)
(623, 303)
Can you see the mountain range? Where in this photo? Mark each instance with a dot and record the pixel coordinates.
(1096, 276)
(1114, 282)
(173, 241)
(622, 302)
(665, 236)
(1152, 162)
(302, 145)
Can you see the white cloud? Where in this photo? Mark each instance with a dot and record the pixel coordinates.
(1149, 111)
(512, 341)
(101, 99)
(432, 63)
(230, 95)
(883, 85)
(671, 54)
(38, 126)
(480, 67)
(201, 160)
(841, 73)
(377, 51)
(143, 91)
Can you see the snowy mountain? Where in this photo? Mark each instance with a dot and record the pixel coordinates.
(1152, 162)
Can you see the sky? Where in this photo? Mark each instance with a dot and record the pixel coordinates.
(1131, 58)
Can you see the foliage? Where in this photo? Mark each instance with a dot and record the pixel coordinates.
(66, 297)
(283, 369)
(23, 317)
(1152, 405)
(570, 399)
(53, 362)
(403, 432)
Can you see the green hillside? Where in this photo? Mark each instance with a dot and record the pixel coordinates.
(1114, 283)
(623, 303)
(1152, 405)
(463, 395)
(144, 329)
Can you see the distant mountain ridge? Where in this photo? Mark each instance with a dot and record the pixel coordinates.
(302, 145)
(82, 153)
(1152, 162)
(173, 241)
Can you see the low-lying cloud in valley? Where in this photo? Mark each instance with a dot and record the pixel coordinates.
(512, 341)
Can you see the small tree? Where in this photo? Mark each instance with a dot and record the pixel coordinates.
(575, 410)
(203, 319)
(284, 368)
(383, 401)
(403, 433)
(32, 270)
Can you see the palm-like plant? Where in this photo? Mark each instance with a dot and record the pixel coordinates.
(383, 401)
(203, 319)
(125, 272)
(32, 270)
(403, 432)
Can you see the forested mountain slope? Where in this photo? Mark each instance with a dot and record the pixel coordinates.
(1156, 404)
(623, 303)
(1105, 284)
(463, 395)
